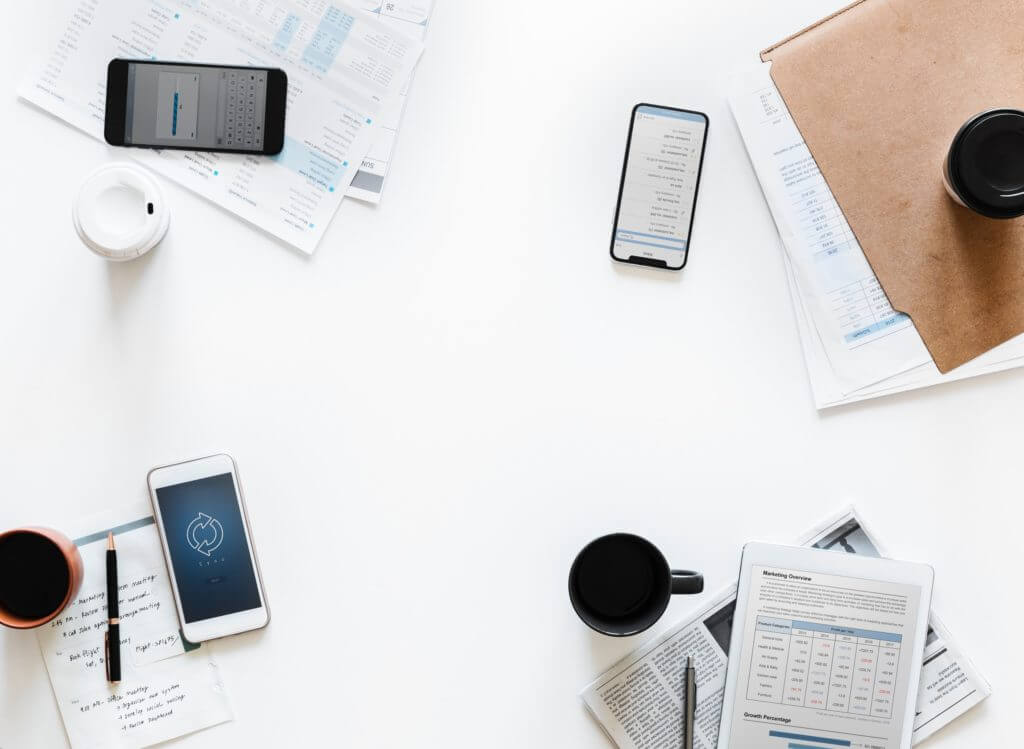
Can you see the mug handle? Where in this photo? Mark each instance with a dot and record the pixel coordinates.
(685, 582)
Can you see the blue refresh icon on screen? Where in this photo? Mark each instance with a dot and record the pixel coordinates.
(207, 515)
(204, 534)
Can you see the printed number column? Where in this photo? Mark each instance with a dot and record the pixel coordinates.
(841, 678)
(885, 678)
(798, 666)
(768, 660)
(864, 676)
(822, 650)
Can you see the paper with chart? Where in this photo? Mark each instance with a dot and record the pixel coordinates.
(168, 687)
(344, 67)
(638, 702)
(411, 17)
(855, 345)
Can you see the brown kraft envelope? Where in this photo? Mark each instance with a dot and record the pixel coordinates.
(878, 90)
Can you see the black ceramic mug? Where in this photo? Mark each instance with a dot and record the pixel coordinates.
(620, 584)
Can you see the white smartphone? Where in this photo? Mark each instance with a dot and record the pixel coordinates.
(204, 529)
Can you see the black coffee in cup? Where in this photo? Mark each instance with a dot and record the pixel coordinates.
(620, 584)
(34, 576)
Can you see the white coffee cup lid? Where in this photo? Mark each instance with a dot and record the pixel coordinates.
(120, 211)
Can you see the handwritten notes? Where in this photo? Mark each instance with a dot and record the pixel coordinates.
(168, 687)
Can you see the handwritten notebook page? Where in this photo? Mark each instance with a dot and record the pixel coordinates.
(168, 687)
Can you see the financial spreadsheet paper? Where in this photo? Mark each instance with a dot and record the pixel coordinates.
(344, 67)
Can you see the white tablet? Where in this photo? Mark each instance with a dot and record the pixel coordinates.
(825, 652)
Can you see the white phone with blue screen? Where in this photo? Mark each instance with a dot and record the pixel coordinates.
(658, 187)
(207, 542)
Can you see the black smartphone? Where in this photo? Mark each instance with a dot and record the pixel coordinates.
(658, 187)
(228, 108)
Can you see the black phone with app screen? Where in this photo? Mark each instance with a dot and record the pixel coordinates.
(658, 187)
(235, 109)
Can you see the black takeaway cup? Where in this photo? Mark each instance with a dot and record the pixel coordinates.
(984, 168)
(620, 584)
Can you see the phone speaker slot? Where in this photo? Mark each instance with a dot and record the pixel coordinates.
(648, 261)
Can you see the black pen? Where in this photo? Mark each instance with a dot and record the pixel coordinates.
(112, 640)
(690, 703)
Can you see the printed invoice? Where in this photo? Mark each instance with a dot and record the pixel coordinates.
(344, 66)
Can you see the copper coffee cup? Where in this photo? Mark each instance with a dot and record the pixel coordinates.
(40, 573)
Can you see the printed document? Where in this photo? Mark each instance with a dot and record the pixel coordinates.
(344, 69)
(639, 701)
(864, 337)
(855, 345)
(825, 658)
(411, 17)
(169, 687)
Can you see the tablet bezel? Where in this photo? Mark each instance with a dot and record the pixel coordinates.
(830, 563)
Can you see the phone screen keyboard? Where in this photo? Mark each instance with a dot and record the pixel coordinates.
(241, 97)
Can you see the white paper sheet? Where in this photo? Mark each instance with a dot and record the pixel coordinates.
(411, 17)
(855, 345)
(165, 690)
(344, 67)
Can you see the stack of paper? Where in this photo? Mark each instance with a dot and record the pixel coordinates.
(348, 71)
(855, 345)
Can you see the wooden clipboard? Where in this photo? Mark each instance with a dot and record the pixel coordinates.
(878, 90)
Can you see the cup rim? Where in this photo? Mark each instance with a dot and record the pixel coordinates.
(13, 621)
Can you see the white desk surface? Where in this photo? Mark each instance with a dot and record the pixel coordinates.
(437, 410)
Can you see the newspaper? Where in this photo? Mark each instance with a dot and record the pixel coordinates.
(639, 701)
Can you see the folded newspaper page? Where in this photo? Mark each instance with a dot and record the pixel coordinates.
(639, 701)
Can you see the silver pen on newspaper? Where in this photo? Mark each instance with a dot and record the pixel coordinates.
(689, 703)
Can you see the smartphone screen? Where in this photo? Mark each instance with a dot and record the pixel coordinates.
(198, 107)
(658, 187)
(207, 544)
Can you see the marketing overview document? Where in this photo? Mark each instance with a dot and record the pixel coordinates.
(639, 701)
(825, 659)
(344, 68)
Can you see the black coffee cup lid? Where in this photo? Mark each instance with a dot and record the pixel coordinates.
(987, 163)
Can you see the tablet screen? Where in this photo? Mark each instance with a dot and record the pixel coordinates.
(826, 661)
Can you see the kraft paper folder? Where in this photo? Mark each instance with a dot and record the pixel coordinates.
(878, 90)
